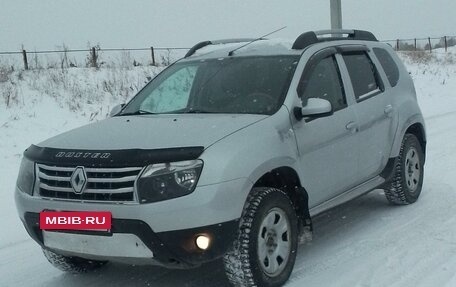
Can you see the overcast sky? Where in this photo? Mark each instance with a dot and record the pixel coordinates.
(45, 24)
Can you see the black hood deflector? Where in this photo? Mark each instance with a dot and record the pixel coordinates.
(110, 158)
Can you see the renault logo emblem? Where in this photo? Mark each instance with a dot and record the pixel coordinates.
(78, 180)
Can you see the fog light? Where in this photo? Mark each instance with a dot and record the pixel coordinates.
(203, 242)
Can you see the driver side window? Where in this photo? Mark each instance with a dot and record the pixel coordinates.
(324, 82)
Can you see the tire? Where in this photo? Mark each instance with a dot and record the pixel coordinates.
(266, 211)
(72, 264)
(407, 179)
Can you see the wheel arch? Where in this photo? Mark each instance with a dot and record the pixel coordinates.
(287, 179)
(417, 129)
(414, 125)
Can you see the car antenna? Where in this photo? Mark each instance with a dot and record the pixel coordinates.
(257, 39)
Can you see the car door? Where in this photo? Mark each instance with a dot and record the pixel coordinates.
(373, 109)
(327, 145)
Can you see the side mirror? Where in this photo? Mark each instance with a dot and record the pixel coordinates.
(315, 108)
(116, 110)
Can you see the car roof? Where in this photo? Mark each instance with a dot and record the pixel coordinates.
(262, 47)
(271, 47)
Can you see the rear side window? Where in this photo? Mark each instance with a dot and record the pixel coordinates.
(362, 74)
(388, 65)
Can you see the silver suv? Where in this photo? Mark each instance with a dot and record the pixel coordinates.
(228, 153)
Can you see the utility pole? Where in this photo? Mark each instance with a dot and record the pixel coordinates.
(336, 14)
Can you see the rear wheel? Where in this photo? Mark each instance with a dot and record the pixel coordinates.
(264, 252)
(72, 264)
(407, 181)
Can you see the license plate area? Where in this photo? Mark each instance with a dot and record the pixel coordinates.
(76, 220)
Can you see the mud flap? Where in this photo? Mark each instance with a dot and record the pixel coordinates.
(388, 171)
(305, 221)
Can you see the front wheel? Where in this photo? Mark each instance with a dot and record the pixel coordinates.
(407, 181)
(264, 252)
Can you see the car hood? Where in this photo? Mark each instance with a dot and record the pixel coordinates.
(152, 132)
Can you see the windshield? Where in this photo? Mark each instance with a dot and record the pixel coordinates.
(242, 85)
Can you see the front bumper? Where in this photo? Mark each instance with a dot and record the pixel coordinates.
(166, 228)
(133, 241)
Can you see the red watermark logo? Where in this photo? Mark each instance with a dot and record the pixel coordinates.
(82, 220)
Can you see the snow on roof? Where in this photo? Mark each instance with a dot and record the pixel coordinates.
(260, 47)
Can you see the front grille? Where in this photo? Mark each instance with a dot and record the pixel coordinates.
(103, 184)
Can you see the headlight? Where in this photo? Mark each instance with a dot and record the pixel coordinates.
(164, 181)
(26, 177)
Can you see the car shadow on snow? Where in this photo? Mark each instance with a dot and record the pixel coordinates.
(354, 229)
(115, 274)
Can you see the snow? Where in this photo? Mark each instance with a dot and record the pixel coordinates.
(366, 242)
(275, 46)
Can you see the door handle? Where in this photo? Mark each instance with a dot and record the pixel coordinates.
(389, 110)
(352, 126)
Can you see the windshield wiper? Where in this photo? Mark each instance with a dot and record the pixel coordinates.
(197, 111)
(191, 111)
(138, 112)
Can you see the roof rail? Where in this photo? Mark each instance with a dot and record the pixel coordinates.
(309, 38)
(216, 42)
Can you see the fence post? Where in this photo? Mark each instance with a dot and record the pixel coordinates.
(397, 45)
(415, 45)
(94, 58)
(153, 55)
(430, 45)
(24, 57)
(446, 44)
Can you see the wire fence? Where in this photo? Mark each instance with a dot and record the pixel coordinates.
(92, 57)
(96, 56)
(441, 44)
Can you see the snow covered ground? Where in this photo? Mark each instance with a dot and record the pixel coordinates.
(362, 243)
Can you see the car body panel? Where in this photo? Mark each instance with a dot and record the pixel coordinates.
(152, 131)
(376, 127)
